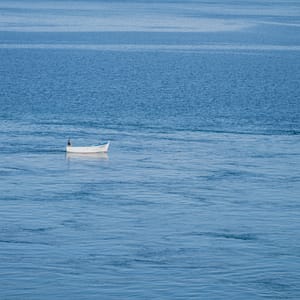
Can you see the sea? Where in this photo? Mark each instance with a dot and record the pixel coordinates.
(199, 194)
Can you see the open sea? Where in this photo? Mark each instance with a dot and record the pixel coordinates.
(199, 194)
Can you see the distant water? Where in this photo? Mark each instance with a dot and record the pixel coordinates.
(198, 197)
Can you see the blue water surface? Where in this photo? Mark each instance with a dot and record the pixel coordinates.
(198, 197)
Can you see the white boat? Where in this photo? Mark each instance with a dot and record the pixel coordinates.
(90, 149)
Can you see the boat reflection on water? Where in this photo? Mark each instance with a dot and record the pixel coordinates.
(87, 156)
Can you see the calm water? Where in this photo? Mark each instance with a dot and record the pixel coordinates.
(198, 197)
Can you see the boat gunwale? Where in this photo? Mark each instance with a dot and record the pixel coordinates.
(88, 149)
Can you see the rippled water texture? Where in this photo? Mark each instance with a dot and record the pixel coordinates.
(198, 197)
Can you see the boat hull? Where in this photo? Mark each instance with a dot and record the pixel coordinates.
(91, 149)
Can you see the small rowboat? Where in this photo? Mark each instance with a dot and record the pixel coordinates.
(90, 149)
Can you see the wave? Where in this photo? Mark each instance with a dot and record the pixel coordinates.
(148, 47)
(235, 236)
